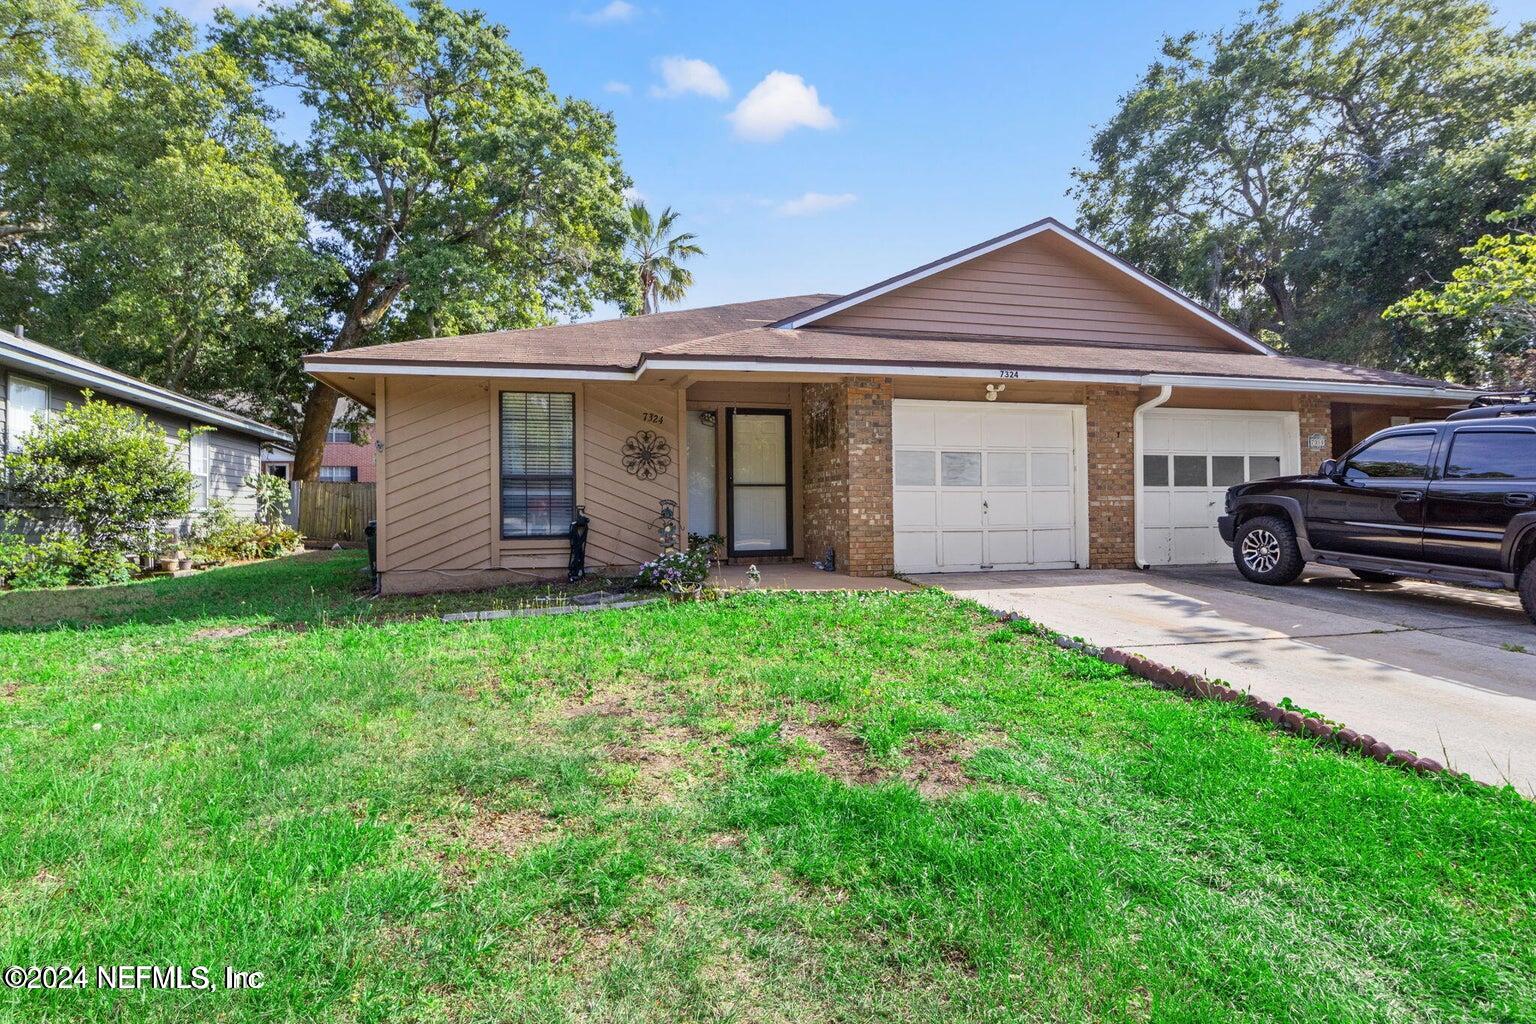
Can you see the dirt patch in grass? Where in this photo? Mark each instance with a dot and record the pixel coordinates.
(509, 833)
(934, 762)
(222, 632)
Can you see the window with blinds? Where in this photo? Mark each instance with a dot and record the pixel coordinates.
(538, 463)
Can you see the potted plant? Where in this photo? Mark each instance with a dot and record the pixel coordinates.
(166, 552)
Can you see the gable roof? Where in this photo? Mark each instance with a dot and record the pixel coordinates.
(1047, 225)
(49, 363)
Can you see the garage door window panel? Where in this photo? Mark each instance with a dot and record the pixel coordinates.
(1190, 471)
(913, 469)
(960, 469)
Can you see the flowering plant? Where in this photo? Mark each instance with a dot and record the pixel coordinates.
(677, 570)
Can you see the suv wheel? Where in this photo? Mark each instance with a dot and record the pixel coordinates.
(1527, 589)
(1265, 551)
(1370, 576)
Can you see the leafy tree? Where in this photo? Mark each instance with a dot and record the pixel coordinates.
(152, 228)
(1300, 173)
(103, 470)
(448, 189)
(1491, 298)
(658, 256)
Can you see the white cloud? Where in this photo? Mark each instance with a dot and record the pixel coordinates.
(778, 104)
(617, 11)
(813, 203)
(633, 195)
(621, 88)
(683, 75)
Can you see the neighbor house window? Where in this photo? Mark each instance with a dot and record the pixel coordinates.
(338, 435)
(26, 403)
(338, 474)
(199, 462)
(538, 463)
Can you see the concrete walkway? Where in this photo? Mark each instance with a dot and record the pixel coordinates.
(1439, 670)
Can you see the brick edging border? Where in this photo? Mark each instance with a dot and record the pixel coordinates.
(1197, 687)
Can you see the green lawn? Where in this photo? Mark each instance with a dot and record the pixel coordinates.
(767, 808)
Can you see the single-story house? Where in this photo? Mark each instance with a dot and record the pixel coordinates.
(37, 381)
(1029, 402)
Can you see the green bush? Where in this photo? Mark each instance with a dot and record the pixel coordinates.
(56, 561)
(218, 535)
(102, 471)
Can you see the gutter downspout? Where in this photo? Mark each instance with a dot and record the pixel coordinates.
(1164, 393)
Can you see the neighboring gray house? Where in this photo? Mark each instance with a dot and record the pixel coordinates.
(36, 381)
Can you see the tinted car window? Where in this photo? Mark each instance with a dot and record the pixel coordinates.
(1405, 456)
(1493, 455)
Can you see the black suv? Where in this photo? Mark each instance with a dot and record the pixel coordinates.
(1453, 501)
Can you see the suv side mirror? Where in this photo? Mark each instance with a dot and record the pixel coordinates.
(1329, 468)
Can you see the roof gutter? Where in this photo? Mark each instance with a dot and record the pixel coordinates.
(675, 364)
(38, 359)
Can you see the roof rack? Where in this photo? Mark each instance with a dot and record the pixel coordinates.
(1499, 403)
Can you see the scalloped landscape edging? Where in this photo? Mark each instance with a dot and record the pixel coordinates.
(1198, 687)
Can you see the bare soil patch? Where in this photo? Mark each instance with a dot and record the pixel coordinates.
(222, 632)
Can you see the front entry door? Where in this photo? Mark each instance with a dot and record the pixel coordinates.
(1375, 504)
(757, 478)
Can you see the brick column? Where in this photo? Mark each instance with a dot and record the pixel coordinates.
(824, 504)
(1111, 476)
(1315, 414)
(871, 521)
(847, 480)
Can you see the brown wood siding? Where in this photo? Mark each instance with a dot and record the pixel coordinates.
(1040, 287)
(439, 505)
(437, 510)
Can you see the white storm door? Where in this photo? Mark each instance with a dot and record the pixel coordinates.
(979, 487)
(758, 503)
(1189, 458)
(701, 472)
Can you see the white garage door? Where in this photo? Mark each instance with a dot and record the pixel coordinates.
(1189, 459)
(988, 486)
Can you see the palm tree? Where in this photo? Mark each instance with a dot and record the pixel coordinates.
(657, 257)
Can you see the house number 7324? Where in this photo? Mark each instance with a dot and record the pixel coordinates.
(653, 417)
(1009, 374)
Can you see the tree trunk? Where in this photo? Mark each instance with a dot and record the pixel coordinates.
(319, 410)
(1280, 292)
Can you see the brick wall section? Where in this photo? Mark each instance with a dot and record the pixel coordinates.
(824, 503)
(847, 476)
(1315, 414)
(871, 521)
(1111, 476)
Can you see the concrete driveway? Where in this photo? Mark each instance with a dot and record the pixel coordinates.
(1439, 670)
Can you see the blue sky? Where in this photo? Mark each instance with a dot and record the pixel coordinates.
(932, 126)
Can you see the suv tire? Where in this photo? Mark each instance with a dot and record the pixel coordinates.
(1527, 589)
(1371, 576)
(1265, 552)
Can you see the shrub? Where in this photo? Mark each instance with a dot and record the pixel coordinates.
(273, 498)
(221, 536)
(103, 471)
(58, 560)
(677, 570)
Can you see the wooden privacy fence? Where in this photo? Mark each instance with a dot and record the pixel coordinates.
(333, 511)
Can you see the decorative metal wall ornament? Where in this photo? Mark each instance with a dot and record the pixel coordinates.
(667, 526)
(646, 454)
